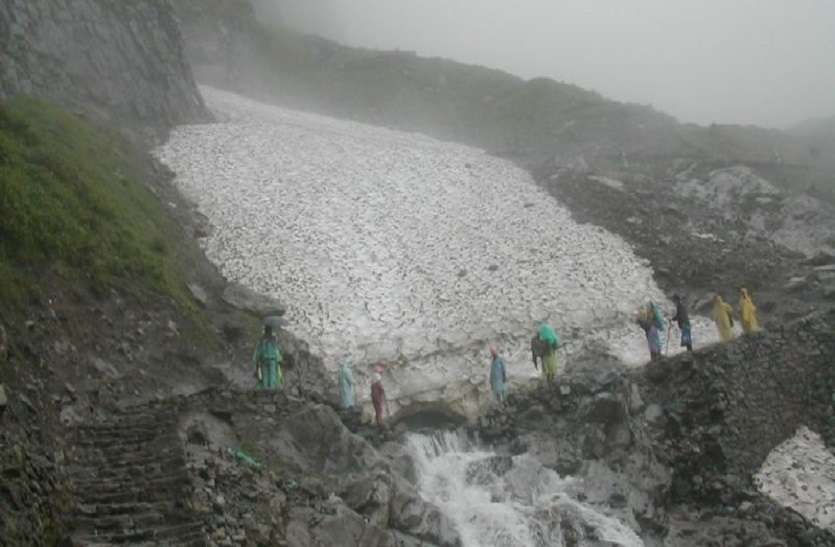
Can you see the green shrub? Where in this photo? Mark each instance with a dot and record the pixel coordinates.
(71, 200)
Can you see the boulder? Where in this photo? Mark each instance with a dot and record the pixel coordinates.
(820, 259)
(796, 283)
(199, 294)
(246, 299)
(370, 496)
(606, 408)
(315, 440)
(307, 528)
(105, 369)
(412, 515)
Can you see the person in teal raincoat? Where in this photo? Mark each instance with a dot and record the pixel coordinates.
(498, 376)
(267, 360)
(546, 342)
(346, 383)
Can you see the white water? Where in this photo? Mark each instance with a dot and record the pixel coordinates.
(508, 502)
(395, 246)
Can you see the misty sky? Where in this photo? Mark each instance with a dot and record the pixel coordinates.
(769, 62)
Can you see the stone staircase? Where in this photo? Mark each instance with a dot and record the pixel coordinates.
(131, 484)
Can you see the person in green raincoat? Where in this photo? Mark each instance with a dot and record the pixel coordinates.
(267, 360)
(346, 383)
(544, 345)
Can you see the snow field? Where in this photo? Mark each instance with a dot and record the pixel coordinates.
(394, 246)
(800, 473)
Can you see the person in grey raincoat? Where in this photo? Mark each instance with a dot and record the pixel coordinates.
(346, 383)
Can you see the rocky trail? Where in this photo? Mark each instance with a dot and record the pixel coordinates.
(131, 484)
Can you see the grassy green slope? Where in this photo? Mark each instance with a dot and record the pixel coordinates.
(71, 203)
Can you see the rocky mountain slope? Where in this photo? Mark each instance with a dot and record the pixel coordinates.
(543, 125)
(529, 120)
(121, 62)
(121, 346)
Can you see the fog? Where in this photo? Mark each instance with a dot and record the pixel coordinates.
(765, 62)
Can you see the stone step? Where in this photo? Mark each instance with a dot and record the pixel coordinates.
(130, 495)
(130, 484)
(128, 443)
(108, 509)
(120, 430)
(98, 524)
(124, 465)
(174, 535)
(141, 460)
(128, 480)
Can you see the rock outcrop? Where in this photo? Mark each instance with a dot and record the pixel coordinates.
(119, 61)
(675, 445)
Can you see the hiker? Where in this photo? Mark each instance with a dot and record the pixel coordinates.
(346, 383)
(682, 318)
(748, 312)
(378, 396)
(498, 376)
(544, 345)
(722, 316)
(268, 361)
(648, 320)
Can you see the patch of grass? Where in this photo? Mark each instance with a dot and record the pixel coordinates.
(71, 201)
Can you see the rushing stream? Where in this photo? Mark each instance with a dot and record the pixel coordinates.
(503, 501)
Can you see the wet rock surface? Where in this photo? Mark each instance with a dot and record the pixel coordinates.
(97, 57)
(697, 249)
(224, 467)
(677, 444)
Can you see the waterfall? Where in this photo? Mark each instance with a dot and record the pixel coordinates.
(504, 501)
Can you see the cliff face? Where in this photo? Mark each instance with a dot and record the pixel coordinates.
(118, 61)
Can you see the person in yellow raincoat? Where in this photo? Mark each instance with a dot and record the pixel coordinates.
(748, 312)
(723, 319)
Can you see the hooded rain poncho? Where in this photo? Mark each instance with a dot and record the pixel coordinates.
(547, 334)
(498, 378)
(647, 322)
(268, 360)
(346, 385)
(748, 313)
(723, 319)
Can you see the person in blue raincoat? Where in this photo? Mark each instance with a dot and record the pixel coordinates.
(346, 383)
(267, 360)
(498, 376)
